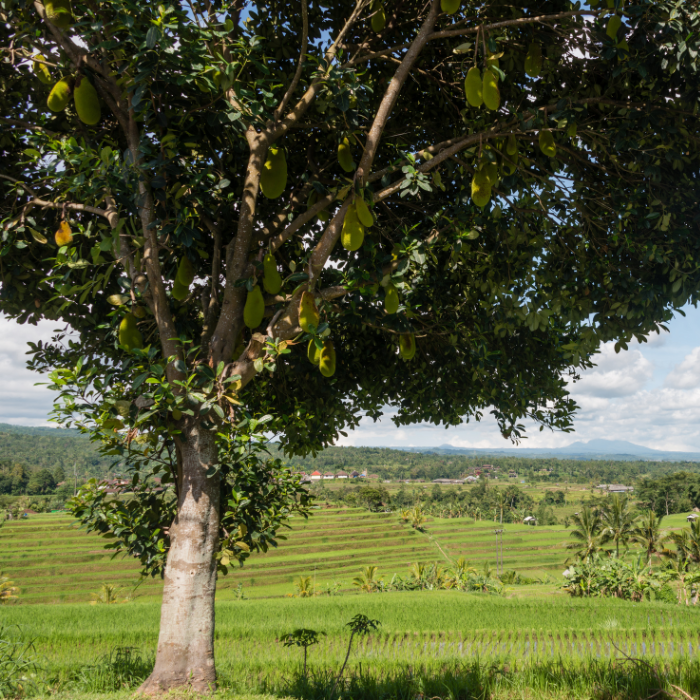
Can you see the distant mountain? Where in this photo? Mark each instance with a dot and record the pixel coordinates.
(592, 449)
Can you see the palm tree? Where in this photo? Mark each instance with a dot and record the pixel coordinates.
(418, 518)
(366, 581)
(687, 543)
(647, 533)
(305, 587)
(419, 572)
(108, 595)
(8, 591)
(617, 522)
(586, 532)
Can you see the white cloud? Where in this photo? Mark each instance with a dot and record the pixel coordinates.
(21, 402)
(615, 374)
(686, 375)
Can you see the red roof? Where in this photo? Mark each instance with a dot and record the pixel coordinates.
(315, 473)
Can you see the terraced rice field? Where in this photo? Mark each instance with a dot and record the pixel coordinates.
(53, 561)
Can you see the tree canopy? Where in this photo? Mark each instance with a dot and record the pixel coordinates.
(304, 212)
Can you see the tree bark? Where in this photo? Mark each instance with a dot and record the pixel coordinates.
(185, 654)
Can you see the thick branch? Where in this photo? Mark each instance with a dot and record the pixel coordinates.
(302, 56)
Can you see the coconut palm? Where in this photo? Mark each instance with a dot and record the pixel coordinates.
(107, 595)
(647, 533)
(586, 532)
(617, 522)
(8, 591)
(367, 581)
(305, 587)
(418, 518)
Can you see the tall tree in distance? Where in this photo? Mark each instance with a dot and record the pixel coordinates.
(617, 521)
(277, 217)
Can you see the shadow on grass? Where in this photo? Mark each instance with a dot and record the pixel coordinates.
(630, 679)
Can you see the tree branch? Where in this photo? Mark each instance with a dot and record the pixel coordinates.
(302, 56)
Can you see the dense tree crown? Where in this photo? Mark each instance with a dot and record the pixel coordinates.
(302, 212)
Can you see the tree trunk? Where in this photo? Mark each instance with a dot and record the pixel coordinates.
(185, 654)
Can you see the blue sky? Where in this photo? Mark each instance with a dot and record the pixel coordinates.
(649, 395)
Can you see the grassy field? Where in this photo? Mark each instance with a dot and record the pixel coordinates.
(52, 561)
(436, 636)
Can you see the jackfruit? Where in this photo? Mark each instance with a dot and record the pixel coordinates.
(122, 407)
(450, 6)
(363, 213)
(272, 280)
(491, 94)
(129, 334)
(138, 311)
(254, 308)
(176, 414)
(481, 189)
(41, 70)
(547, 145)
(533, 60)
(58, 12)
(378, 21)
(490, 170)
(327, 359)
(391, 300)
(614, 24)
(59, 96)
(473, 87)
(512, 145)
(407, 346)
(345, 155)
(313, 353)
(323, 215)
(353, 232)
(308, 313)
(87, 104)
(180, 292)
(63, 235)
(273, 178)
(185, 272)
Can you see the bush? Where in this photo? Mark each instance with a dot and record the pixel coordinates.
(18, 668)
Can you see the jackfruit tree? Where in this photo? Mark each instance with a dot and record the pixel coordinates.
(275, 218)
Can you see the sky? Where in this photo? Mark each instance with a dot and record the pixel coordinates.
(648, 395)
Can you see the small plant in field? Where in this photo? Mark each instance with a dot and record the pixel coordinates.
(122, 668)
(367, 581)
(18, 668)
(108, 595)
(418, 518)
(331, 588)
(359, 625)
(238, 593)
(301, 638)
(8, 591)
(305, 587)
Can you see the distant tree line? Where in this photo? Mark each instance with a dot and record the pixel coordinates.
(17, 480)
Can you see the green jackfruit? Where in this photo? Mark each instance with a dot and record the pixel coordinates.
(473, 87)
(407, 346)
(481, 189)
(613, 27)
(41, 70)
(547, 145)
(254, 309)
(363, 213)
(378, 20)
(490, 170)
(345, 156)
(313, 353)
(273, 178)
(185, 272)
(87, 103)
(180, 291)
(533, 60)
(512, 145)
(353, 233)
(129, 334)
(272, 280)
(59, 96)
(450, 6)
(327, 359)
(58, 12)
(491, 93)
(308, 312)
(391, 300)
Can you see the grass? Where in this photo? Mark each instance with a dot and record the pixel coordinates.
(441, 644)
